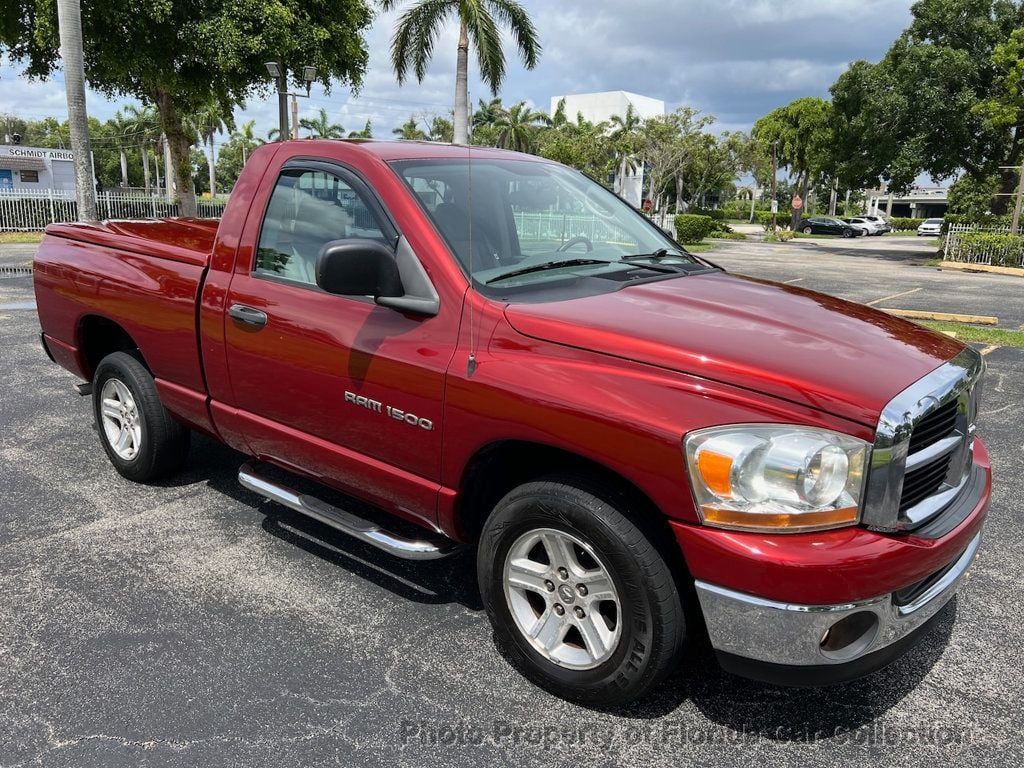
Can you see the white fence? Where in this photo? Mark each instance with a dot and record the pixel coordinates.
(1004, 249)
(559, 227)
(32, 210)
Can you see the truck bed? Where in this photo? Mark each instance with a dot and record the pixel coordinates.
(189, 241)
(142, 276)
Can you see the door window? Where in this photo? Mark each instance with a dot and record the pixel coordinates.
(308, 209)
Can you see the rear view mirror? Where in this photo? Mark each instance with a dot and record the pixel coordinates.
(358, 267)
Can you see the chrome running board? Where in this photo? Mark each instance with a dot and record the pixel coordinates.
(343, 521)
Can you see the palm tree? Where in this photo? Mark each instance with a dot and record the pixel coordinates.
(516, 128)
(488, 112)
(366, 133)
(118, 125)
(69, 21)
(141, 124)
(418, 28)
(625, 136)
(441, 129)
(246, 137)
(410, 131)
(208, 122)
(321, 127)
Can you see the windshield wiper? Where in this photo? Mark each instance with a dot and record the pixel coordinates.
(549, 265)
(661, 253)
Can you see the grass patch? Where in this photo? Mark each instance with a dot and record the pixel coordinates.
(802, 236)
(20, 237)
(700, 247)
(982, 335)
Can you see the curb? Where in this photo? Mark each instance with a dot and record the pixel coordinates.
(967, 267)
(913, 314)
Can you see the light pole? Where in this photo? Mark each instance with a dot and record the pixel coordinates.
(280, 74)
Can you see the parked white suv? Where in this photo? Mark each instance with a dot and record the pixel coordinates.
(932, 227)
(881, 222)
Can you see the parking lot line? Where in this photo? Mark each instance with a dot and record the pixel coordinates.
(894, 296)
(989, 349)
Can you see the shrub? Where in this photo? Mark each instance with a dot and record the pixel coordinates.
(779, 235)
(764, 218)
(692, 228)
(728, 235)
(1001, 249)
(718, 214)
(904, 224)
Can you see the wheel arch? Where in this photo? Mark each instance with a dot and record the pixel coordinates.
(99, 336)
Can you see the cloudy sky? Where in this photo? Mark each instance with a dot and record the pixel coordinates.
(735, 59)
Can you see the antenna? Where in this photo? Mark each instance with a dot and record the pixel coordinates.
(471, 364)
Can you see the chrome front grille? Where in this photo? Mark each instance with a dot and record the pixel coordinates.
(922, 455)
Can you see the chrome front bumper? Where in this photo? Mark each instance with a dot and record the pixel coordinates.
(747, 628)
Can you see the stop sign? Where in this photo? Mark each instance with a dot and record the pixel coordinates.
(798, 202)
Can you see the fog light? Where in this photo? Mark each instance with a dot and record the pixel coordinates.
(850, 636)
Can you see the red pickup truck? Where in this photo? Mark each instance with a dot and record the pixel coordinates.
(641, 447)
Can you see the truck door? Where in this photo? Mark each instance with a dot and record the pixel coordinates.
(334, 386)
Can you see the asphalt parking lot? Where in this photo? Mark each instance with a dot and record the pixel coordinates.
(195, 624)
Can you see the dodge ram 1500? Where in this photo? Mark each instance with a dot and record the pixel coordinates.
(491, 346)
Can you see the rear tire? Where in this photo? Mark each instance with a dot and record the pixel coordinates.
(141, 439)
(808, 231)
(603, 645)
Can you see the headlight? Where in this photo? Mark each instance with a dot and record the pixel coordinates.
(776, 478)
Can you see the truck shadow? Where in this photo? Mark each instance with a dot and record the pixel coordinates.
(452, 579)
(748, 709)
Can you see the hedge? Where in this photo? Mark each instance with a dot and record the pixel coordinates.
(905, 223)
(1001, 249)
(692, 228)
(718, 214)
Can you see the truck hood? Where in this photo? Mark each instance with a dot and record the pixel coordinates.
(816, 350)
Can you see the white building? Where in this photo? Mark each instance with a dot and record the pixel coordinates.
(600, 107)
(35, 168)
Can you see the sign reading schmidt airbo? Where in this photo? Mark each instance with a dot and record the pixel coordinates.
(48, 154)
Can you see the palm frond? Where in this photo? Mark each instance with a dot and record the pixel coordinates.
(415, 35)
(514, 16)
(486, 38)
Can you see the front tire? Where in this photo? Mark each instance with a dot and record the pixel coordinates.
(808, 230)
(580, 600)
(141, 439)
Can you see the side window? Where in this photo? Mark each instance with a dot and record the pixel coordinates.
(306, 210)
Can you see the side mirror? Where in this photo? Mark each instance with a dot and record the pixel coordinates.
(358, 267)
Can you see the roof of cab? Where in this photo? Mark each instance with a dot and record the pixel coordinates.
(418, 150)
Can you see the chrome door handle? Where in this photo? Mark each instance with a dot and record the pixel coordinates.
(248, 315)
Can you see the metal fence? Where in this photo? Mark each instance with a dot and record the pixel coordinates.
(1005, 249)
(32, 210)
(559, 227)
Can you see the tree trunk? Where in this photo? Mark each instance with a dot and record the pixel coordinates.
(124, 169)
(803, 181)
(753, 203)
(178, 144)
(462, 89)
(145, 166)
(213, 173)
(679, 192)
(156, 162)
(69, 19)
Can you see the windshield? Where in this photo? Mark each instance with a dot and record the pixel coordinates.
(518, 225)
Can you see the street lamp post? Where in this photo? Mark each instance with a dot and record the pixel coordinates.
(280, 74)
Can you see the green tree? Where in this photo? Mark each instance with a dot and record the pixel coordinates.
(410, 130)
(516, 128)
(208, 123)
(580, 144)
(418, 28)
(321, 127)
(625, 138)
(941, 99)
(141, 125)
(802, 130)
(235, 152)
(441, 129)
(366, 133)
(179, 56)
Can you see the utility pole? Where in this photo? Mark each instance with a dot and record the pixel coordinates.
(775, 181)
(295, 117)
(69, 19)
(280, 74)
